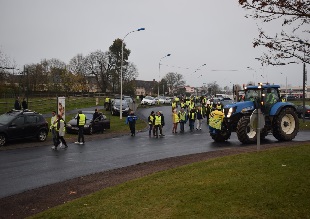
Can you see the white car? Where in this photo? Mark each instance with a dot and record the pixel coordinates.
(148, 100)
(164, 100)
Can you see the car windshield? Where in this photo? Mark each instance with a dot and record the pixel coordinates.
(89, 116)
(118, 102)
(250, 95)
(149, 98)
(6, 118)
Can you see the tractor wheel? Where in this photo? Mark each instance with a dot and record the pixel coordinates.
(246, 134)
(221, 136)
(286, 125)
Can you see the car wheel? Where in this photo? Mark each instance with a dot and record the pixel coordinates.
(2, 140)
(42, 135)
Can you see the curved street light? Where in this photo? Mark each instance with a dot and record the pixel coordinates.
(159, 71)
(121, 98)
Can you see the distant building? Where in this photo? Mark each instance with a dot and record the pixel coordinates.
(146, 87)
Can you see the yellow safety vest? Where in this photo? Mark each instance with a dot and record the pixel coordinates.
(174, 105)
(182, 105)
(53, 119)
(151, 119)
(191, 105)
(182, 116)
(192, 116)
(82, 119)
(187, 102)
(219, 107)
(64, 128)
(157, 120)
(216, 118)
(107, 99)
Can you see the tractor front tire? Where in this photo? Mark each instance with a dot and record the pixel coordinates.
(286, 125)
(221, 136)
(246, 134)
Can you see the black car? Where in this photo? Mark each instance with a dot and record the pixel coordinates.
(19, 124)
(116, 105)
(300, 111)
(99, 125)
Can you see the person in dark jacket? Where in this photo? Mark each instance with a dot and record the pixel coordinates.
(131, 120)
(162, 123)
(17, 105)
(150, 119)
(24, 104)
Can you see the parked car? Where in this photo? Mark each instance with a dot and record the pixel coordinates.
(164, 100)
(128, 99)
(19, 124)
(300, 111)
(99, 125)
(148, 100)
(116, 105)
(226, 100)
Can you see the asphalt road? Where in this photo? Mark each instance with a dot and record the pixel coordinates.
(29, 168)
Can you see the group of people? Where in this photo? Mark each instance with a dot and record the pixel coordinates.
(156, 123)
(58, 129)
(193, 111)
(20, 105)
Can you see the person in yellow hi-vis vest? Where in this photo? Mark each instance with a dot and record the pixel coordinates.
(173, 105)
(175, 121)
(215, 120)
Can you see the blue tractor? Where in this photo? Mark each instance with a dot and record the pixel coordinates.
(280, 117)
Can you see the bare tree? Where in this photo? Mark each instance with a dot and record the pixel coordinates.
(174, 80)
(291, 45)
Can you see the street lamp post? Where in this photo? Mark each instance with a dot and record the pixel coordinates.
(159, 71)
(121, 98)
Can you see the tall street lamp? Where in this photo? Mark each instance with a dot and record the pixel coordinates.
(121, 98)
(159, 71)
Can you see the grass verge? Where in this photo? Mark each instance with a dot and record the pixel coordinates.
(267, 184)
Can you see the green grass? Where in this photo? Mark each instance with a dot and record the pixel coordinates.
(266, 184)
(46, 105)
(304, 125)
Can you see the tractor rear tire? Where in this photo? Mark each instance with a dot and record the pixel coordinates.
(286, 125)
(246, 134)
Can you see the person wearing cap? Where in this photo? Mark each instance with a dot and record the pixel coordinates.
(81, 121)
(150, 119)
(131, 120)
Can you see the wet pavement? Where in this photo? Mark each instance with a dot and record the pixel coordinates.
(29, 168)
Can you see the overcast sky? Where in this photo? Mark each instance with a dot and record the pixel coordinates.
(195, 32)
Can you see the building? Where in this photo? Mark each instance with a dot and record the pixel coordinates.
(146, 87)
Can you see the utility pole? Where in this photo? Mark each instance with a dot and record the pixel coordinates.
(304, 87)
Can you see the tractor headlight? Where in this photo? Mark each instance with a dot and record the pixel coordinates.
(249, 108)
(231, 111)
